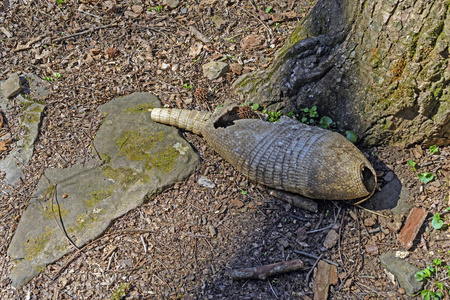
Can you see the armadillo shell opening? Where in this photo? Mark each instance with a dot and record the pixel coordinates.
(369, 180)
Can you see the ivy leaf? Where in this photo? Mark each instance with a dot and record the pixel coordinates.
(351, 136)
(437, 223)
(425, 177)
(325, 122)
(434, 149)
(255, 106)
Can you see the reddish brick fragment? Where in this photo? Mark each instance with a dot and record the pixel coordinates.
(413, 223)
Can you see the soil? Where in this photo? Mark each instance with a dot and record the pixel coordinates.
(180, 243)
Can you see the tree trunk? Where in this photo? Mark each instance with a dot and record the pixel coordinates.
(379, 68)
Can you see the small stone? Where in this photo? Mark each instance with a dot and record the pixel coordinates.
(171, 3)
(237, 203)
(212, 230)
(372, 249)
(389, 176)
(205, 182)
(412, 225)
(403, 271)
(137, 9)
(218, 21)
(278, 17)
(395, 226)
(401, 254)
(252, 42)
(215, 69)
(195, 49)
(236, 68)
(331, 239)
(369, 222)
(11, 86)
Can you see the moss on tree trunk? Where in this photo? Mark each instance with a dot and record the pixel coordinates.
(379, 68)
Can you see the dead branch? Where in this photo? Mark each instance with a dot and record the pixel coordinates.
(199, 35)
(84, 32)
(262, 272)
(295, 200)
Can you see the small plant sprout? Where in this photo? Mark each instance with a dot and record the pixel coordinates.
(272, 116)
(255, 106)
(58, 75)
(432, 275)
(425, 177)
(351, 136)
(325, 122)
(412, 164)
(269, 9)
(187, 86)
(434, 149)
(157, 9)
(436, 222)
(244, 192)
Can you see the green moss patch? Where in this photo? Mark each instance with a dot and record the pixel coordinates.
(57, 210)
(98, 196)
(143, 107)
(121, 291)
(126, 176)
(165, 160)
(34, 245)
(134, 144)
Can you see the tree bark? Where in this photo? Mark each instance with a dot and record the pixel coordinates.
(379, 68)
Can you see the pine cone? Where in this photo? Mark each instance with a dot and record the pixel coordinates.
(201, 94)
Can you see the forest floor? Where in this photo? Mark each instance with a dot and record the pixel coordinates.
(192, 235)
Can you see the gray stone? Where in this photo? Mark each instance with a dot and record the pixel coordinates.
(402, 208)
(403, 271)
(215, 69)
(171, 3)
(11, 86)
(387, 198)
(20, 156)
(141, 158)
(389, 176)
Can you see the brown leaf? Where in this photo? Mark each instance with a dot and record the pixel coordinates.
(4, 145)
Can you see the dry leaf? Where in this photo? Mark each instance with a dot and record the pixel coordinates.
(4, 145)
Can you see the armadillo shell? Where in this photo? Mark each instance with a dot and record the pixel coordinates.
(292, 156)
(289, 155)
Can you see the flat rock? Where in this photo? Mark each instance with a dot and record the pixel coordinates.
(325, 276)
(33, 88)
(11, 87)
(403, 271)
(412, 226)
(215, 69)
(402, 207)
(141, 158)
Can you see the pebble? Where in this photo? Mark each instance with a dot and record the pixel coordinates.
(205, 182)
(389, 176)
(371, 249)
(11, 86)
(171, 3)
(331, 239)
(215, 69)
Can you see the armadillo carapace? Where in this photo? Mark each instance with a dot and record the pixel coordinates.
(285, 155)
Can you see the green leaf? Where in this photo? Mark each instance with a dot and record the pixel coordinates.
(255, 106)
(434, 149)
(425, 294)
(439, 285)
(439, 295)
(437, 223)
(437, 262)
(425, 177)
(269, 9)
(244, 192)
(304, 119)
(351, 136)
(412, 163)
(325, 122)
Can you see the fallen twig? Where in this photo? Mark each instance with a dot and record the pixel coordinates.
(316, 257)
(84, 32)
(296, 200)
(312, 268)
(371, 211)
(262, 272)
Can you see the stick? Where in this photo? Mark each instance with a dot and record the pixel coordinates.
(296, 200)
(312, 268)
(316, 257)
(262, 272)
(84, 32)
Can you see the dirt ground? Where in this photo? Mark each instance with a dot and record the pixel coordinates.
(180, 244)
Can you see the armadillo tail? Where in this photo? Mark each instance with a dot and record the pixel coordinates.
(191, 120)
